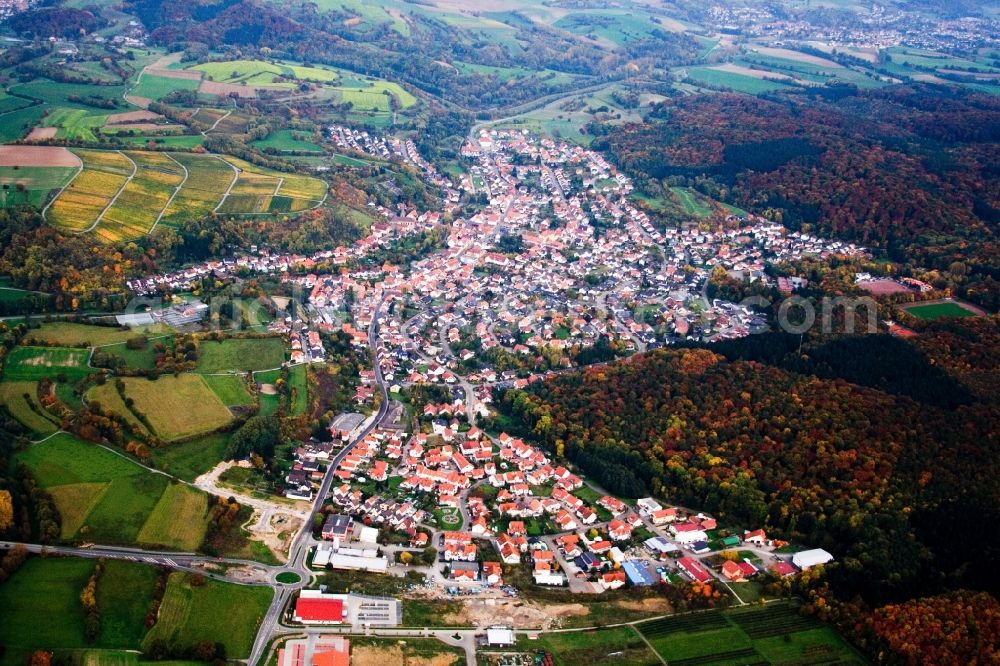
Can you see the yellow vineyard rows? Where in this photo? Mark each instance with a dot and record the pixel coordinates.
(108, 200)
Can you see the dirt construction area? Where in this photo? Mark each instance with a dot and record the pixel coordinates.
(483, 611)
(276, 533)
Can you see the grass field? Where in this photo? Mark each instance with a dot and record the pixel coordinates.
(178, 520)
(775, 633)
(297, 380)
(59, 94)
(108, 397)
(12, 397)
(188, 460)
(15, 124)
(623, 645)
(732, 81)
(177, 406)
(75, 124)
(186, 141)
(32, 185)
(611, 26)
(41, 608)
(939, 310)
(107, 498)
(73, 334)
(136, 358)
(30, 363)
(289, 140)
(240, 354)
(231, 389)
(216, 611)
(692, 202)
(263, 74)
(123, 596)
(268, 403)
(157, 87)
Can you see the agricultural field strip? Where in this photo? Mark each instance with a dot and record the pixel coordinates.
(236, 177)
(217, 121)
(121, 189)
(62, 189)
(281, 181)
(176, 190)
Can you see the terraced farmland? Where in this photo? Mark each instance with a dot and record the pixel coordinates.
(79, 207)
(121, 195)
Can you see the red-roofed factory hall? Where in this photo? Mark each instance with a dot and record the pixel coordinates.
(314, 607)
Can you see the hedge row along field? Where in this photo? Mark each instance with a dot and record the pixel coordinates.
(121, 195)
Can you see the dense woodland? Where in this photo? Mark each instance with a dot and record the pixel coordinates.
(911, 172)
(903, 493)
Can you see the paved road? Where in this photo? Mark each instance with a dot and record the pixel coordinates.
(186, 561)
(304, 539)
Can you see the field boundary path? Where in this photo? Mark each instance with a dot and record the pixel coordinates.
(62, 189)
(216, 123)
(171, 199)
(135, 168)
(236, 177)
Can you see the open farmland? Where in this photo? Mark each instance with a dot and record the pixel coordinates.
(716, 77)
(108, 397)
(107, 498)
(82, 204)
(240, 355)
(263, 74)
(775, 633)
(75, 124)
(178, 519)
(19, 399)
(41, 603)
(288, 140)
(177, 406)
(31, 363)
(32, 185)
(73, 334)
(214, 611)
(156, 87)
(208, 180)
(121, 195)
(140, 204)
(246, 77)
(593, 647)
(190, 459)
(231, 389)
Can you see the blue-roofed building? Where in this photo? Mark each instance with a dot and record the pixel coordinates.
(586, 562)
(638, 573)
